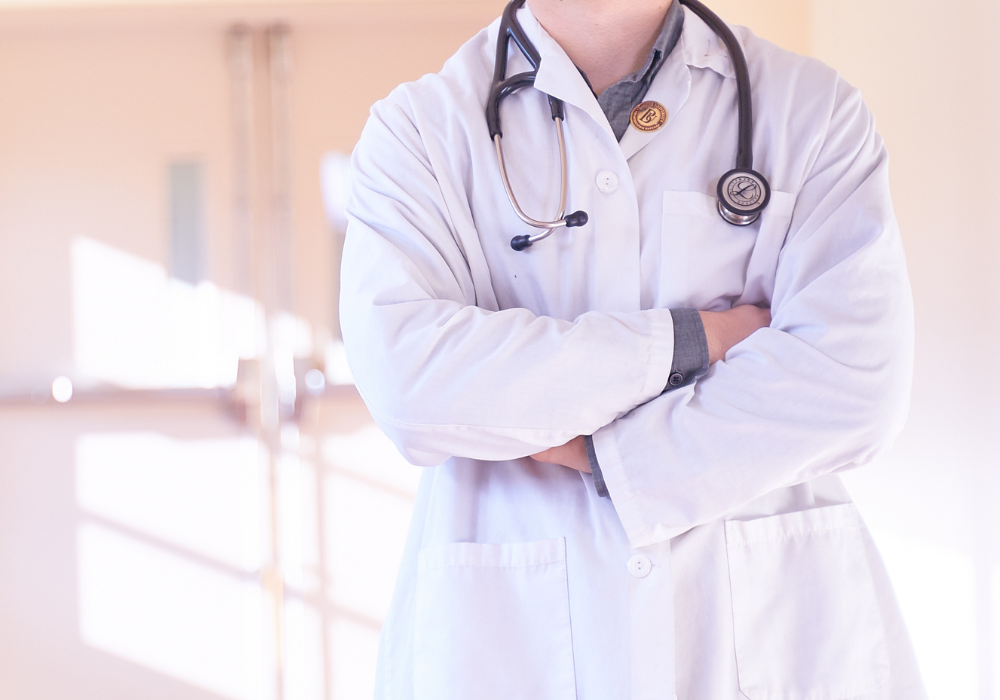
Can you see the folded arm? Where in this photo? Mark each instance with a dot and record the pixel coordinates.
(444, 377)
(719, 332)
(825, 387)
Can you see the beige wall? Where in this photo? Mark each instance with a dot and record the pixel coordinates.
(927, 71)
(102, 100)
(98, 100)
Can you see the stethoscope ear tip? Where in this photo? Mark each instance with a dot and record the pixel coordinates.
(577, 218)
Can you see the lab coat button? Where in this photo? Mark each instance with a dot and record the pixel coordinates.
(607, 181)
(676, 379)
(639, 565)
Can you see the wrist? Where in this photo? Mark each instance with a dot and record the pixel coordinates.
(712, 335)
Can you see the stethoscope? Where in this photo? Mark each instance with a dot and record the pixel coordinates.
(743, 192)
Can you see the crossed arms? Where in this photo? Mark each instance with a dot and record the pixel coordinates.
(825, 386)
(723, 330)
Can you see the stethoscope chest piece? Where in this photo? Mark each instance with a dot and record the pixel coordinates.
(743, 194)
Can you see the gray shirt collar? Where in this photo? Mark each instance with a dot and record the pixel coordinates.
(618, 100)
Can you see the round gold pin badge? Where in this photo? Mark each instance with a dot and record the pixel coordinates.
(648, 116)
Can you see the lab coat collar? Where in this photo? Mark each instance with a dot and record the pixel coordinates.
(702, 48)
(670, 88)
(698, 47)
(557, 74)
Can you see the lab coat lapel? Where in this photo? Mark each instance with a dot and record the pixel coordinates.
(702, 47)
(558, 75)
(698, 47)
(670, 88)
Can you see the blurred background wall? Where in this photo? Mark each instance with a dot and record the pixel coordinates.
(193, 500)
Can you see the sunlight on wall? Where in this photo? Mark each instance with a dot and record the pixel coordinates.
(335, 360)
(195, 622)
(290, 338)
(936, 589)
(136, 327)
(335, 179)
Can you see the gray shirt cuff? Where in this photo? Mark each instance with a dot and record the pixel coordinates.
(690, 348)
(595, 468)
(690, 362)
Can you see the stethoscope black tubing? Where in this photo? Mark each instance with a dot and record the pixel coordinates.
(744, 149)
(502, 86)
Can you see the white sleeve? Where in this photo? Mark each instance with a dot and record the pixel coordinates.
(444, 377)
(825, 387)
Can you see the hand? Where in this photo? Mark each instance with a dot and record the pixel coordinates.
(724, 329)
(573, 455)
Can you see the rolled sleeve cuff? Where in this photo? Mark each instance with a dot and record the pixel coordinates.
(614, 478)
(690, 359)
(633, 508)
(595, 468)
(660, 353)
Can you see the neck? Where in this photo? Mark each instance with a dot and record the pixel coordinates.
(606, 39)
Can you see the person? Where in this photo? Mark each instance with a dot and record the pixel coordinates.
(633, 428)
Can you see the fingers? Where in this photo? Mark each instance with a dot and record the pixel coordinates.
(744, 320)
(573, 455)
(756, 317)
(543, 456)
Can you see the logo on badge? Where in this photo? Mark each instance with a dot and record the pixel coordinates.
(648, 116)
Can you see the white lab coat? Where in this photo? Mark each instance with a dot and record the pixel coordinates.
(728, 546)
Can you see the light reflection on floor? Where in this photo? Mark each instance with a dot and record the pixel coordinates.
(203, 496)
(173, 532)
(352, 658)
(134, 535)
(172, 614)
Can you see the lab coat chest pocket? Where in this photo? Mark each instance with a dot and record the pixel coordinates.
(706, 263)
(805, 614)
(493, 623)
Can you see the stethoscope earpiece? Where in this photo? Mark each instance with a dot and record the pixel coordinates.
(577, 218)
(743, 194)
(520, 242)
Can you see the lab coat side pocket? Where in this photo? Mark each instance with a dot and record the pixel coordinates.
(805, 613)
(493, 622)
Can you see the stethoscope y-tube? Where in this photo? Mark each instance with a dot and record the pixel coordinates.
(743, 192)
(502, 86)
